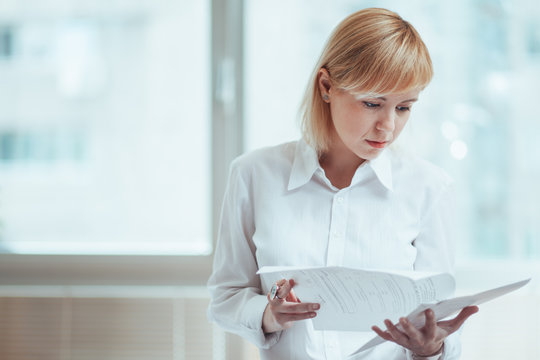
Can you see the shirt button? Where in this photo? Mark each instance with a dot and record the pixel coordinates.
(340, 199)
(337, 234)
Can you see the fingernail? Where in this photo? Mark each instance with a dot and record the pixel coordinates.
(315, 306)
(313, 314)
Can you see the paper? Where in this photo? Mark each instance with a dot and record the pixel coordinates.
(355, 300)
(448, 308)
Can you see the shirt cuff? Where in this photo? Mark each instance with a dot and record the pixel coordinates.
(254, 310)
(413, 356)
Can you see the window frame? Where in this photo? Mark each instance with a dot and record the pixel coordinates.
(227, 143)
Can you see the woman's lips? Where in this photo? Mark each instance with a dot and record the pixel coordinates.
(377, 144)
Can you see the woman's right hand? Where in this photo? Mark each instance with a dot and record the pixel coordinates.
(283, 310)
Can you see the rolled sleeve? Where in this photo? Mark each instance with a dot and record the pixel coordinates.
(236, 302)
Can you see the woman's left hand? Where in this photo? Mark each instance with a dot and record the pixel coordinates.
(428, 340)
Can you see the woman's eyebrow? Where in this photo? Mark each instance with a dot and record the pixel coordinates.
(409, 100)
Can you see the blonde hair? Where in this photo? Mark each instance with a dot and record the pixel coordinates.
(373, 51)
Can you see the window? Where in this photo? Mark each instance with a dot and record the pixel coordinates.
(105, 129)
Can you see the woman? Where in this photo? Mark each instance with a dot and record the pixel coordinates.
(338, 197)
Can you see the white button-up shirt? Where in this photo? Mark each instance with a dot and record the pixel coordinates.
(280, 209)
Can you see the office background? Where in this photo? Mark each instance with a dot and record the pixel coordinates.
(118, 120)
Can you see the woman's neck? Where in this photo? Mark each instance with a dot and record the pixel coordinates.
(340, 164)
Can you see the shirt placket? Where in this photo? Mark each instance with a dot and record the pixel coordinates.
(338, 227)
(334, 257)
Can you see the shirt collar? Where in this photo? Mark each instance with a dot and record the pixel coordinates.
(306, 162)
(382, 167)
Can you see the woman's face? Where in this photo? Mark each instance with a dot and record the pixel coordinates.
(365, 126)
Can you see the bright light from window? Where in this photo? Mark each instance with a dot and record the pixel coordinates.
(458, 149)
(105, 128)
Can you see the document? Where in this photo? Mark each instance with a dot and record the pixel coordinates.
(355, 300)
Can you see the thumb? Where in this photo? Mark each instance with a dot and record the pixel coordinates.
(453, 325)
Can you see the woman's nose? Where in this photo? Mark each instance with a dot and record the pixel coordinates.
(386, 122)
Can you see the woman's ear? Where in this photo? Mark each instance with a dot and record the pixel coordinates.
(325, 84)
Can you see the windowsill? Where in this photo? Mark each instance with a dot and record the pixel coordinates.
(65, 270)
(104, 291)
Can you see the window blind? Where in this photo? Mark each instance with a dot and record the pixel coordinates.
(108, 329)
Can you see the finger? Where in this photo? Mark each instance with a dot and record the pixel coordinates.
(431, 324)
(383, 334)
(410, 331)
(284, 289)
(283, 318)
(273, 293)
(454, 324)
(292, 296)
(398, 336)
(292, 308)
(274, 301)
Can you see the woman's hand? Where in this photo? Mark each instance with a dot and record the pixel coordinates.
(429, 340)
(282, 311)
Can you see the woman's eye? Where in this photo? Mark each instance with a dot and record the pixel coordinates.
(403, 108)
(370, 105)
